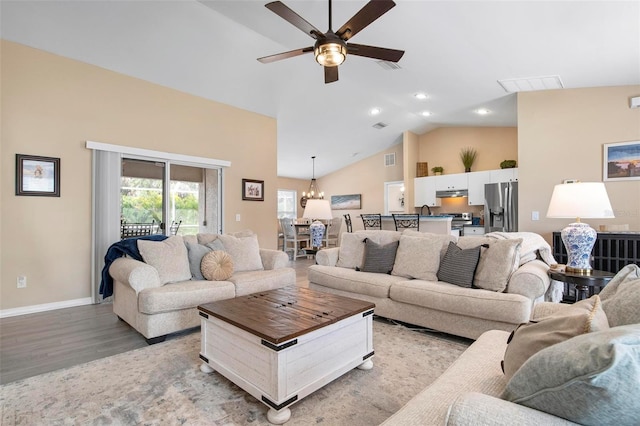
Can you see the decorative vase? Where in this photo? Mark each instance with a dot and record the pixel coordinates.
(579, 239)
(467, 169)
(317, 232)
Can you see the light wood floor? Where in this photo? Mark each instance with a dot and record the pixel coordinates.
(38, 343)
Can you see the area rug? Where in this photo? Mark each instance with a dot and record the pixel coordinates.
(163, 385)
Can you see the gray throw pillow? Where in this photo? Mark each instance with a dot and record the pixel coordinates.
(621, 297)
(196, 252)
(590, 379)
(458, 266)
(378, 258)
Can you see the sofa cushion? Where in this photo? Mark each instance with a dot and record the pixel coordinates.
(183, 295)
(582, 317)
(497, 261)
(458, 266)
(195, 253)
(589, 379)
(207, 238)
(621, 297)
(168, 256)
(418, 257)
(445, 239)
(217, 266)
(352, 248)
(366, 283)
(244, 251)
(378, 258)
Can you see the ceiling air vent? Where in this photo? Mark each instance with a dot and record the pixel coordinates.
(380, 125)
(390, 159)
(389, 66)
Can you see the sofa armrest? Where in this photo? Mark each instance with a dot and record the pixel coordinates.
(273, 259)
(328, 257)
(530, 280)
(138, 275)
(475, 408)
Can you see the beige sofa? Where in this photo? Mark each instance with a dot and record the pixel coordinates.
(159, 296)
(589, 378)
(412, 293)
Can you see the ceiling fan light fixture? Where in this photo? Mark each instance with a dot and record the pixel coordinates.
(330, 53)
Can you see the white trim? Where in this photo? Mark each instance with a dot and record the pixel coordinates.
(5, 313)
(157, 154)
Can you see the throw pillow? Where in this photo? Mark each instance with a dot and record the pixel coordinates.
(195, 254)
(583, 317)
(215, 245)
(497, 261)
(351, 253)
(378, 258)
(217, 265)
(169, 257)
(591, 379)
(207, 238)
(621, 297)
(458, 266)
(445, 239)
(417, 257)
(244, 251)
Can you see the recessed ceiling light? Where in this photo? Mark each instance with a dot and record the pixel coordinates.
(421, 95)
(425, 113)
(482, 111)
(374, 111)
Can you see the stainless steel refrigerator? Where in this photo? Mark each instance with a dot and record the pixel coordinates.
(501, 207)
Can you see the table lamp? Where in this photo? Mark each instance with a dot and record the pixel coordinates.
(587, 200)
(317, 210)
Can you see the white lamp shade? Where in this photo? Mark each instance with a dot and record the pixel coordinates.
(317, 209)
(580, 200)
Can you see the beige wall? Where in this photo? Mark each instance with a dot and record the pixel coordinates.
(366, 177)
(441, 147)
(561, 135)
(51, 106)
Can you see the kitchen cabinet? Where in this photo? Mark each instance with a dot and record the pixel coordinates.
(448, 182)
(425, 191)
(504, 175)
(477, 180)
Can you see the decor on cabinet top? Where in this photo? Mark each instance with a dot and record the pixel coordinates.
(468, 157)
(437, 170)
(508, 164)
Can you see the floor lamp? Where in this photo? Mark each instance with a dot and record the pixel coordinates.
(587, 200)
(317, 210)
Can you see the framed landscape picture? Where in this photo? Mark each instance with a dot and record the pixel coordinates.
(621, 161)
(252, 190)
(37, 176)
(345, 202)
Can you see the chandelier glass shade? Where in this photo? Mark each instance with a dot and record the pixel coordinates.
(314, 192)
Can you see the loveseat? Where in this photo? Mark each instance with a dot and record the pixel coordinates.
(408, 284)
(159, 295)
(584, 376)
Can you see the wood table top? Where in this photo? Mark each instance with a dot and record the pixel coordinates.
(286, 313)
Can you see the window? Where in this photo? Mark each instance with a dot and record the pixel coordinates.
(287, 203)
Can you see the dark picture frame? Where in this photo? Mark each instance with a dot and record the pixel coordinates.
(252, 190)
(37, 176)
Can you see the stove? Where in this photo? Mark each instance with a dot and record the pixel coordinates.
(459, 220)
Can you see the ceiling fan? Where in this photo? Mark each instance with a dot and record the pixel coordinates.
(331, 48)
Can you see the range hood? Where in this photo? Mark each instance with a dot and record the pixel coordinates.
(452, 193)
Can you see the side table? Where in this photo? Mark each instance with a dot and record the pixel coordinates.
(582, 282)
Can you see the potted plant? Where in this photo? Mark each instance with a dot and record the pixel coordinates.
(508, 164)
(468, 156)
(437, 170)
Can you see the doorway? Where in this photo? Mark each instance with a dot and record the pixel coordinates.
(394, 198)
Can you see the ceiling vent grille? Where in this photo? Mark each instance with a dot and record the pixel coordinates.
(389, 66)
(380, 125)
(528, 84)
(390, 159)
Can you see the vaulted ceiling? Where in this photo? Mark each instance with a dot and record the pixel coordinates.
(456, 51)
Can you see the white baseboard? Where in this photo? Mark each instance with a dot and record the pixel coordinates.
(5, 313)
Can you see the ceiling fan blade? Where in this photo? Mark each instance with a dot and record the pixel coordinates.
(369, 13)
(391, 55)
(330, 74)
(293, 18)
(285, 55)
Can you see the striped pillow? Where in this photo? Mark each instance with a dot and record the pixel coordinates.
(458, 266)
(379, 258)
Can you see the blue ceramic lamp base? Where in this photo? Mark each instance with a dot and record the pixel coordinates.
(578, 239)
(317, 232)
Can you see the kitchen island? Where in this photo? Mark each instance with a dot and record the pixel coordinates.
(434, 224)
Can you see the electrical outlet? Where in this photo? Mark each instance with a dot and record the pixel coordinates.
(535, 215)
(237, 217)
(22, 282)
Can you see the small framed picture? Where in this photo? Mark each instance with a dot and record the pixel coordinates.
(621, 161)
(252, 190)
(37, 176)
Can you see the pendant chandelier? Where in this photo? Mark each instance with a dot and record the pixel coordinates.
(314, 192)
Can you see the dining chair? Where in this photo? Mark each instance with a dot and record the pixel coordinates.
(173, 229)
(406, 221)
(347, 222)
(372, 221)
(132, 230)
(292, 240)
(332, 233)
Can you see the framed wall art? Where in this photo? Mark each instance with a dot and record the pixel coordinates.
(621, 161)
(37, 176)
(345, 202)
(252, 190)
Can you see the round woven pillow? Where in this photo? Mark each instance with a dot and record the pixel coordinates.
(216, 265)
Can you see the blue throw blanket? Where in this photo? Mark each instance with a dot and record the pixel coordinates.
(127, 247)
